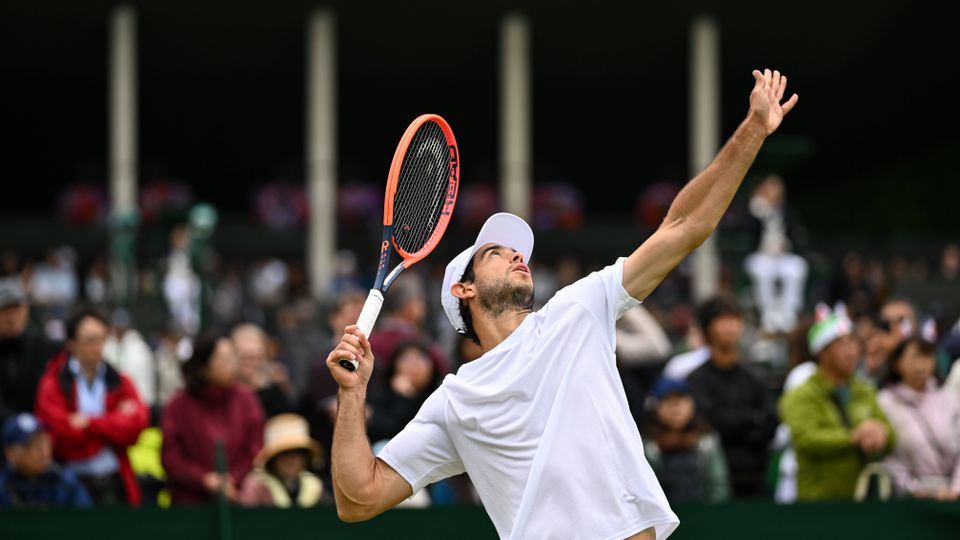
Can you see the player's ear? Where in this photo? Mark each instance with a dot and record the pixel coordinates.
(463, 291)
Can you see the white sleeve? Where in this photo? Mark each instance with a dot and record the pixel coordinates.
(602, 293)
(423, 453)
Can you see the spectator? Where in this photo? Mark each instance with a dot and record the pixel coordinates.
(93, 412)
(281, 477)
(853, 288)
(682, 365)
(268, 281)
(319, 402)
(126, 350)
(146, 464)
(212, 410)
(950, 263)
(24, 351)
(899, 318)
(300, 336)
(946, 287)
(682, 448)
(405, 312)
(96, 287)
(29, 478)
(54, 285)
(835, 421)
(181, 285)
(926, 461)
(227, 303)
(778, 274)
(172, 350)
(802, 368)
(259, 372)
(696, 353)
(733, 400)
(413, 376)
(642, 351)
(951, 347)
(897, 321)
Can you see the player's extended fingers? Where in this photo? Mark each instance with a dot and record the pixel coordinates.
(775, 83)
(767, 78)
(364, 342)
(345, 350)
(782, 89)
(352, 339)
(758, 77)
(788, 106)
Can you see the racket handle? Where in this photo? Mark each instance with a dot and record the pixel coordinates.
(368, 317)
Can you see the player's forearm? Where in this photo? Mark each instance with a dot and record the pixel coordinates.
(353, 465)
(701, 203)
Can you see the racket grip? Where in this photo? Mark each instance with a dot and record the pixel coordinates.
(368, 317)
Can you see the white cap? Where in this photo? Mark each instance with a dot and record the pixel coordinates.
(505, 229)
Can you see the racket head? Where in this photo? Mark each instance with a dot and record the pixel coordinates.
(422, 187)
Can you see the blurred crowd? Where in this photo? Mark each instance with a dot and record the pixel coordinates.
(792, 385)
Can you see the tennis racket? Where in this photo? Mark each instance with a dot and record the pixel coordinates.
(421, 192)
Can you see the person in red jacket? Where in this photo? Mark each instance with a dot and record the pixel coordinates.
(212, 410)
(92, 412)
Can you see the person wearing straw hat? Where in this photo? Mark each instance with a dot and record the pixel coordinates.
(281, 477)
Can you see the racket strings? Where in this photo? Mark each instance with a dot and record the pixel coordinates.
(421, 188)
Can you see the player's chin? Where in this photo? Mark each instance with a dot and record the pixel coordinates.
(521, 275)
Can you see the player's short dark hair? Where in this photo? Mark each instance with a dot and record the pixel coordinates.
(468, 331)
(81, 313)
(714, 308)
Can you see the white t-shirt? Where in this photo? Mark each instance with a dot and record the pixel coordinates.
(682, 365)
(541, 425)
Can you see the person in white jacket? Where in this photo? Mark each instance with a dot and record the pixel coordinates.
(127, 351)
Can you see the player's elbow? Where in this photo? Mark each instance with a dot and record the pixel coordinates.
(686, 233)
(352, 513)
(349, 516)
(696, 234)
(354, 506)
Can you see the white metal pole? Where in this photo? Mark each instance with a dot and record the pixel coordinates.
(704, 136)
(516, 171)
(123, 146)
(321, 149)
(123, 109)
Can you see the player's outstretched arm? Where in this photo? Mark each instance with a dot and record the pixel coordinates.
(698, 207)
(363, 485)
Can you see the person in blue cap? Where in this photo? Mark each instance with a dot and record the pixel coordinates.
(682, 448)
(30, 478)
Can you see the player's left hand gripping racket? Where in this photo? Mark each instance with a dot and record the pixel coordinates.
(421, 192)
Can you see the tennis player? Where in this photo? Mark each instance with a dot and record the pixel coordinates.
(540, 421)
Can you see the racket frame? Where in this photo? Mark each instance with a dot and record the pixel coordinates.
(373, 304)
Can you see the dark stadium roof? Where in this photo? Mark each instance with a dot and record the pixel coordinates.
(222, 89)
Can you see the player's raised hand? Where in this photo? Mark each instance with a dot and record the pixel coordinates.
(353, 346)
(766, 98)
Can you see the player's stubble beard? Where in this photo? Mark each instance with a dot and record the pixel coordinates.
(499, 296)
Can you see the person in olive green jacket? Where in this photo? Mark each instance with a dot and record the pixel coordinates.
(834, 418)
